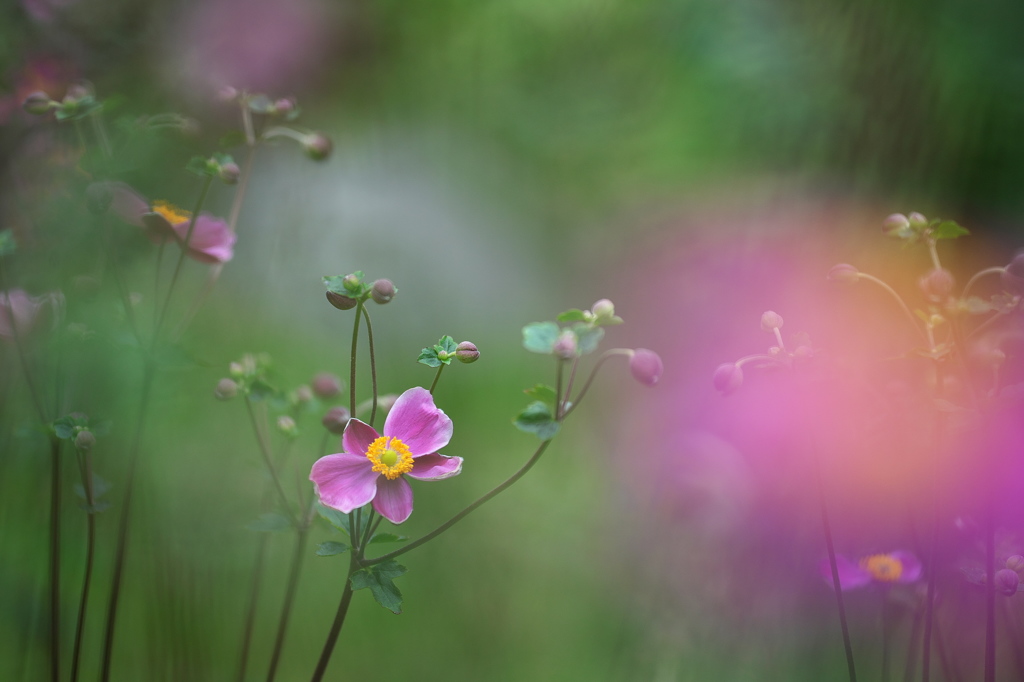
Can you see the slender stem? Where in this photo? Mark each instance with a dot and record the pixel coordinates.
(462, 514)
(990, 598)
(22, 358)
(978, 275)
(85, 465)
(437, 376)
(830, 546)
(55, 495)
(903, 306)
(886, 635)
(156, 285)
(915, 629)
(148, 374)
(593, 373)
(339, 620)
(250, 614)
(100, 132)
(371, 525)
(933, 251)
(289, 599)
(261, 438)
(572, 377)
(352, 361)
(778, 337)
(373, 364)
(559, 372)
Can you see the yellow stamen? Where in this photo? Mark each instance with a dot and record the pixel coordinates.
(883, 567)
(390, 457)
(170, 212)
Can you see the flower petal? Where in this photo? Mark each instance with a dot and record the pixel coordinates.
(911, 566)
(851, 575)
(435, 467)
(357, 437)
(394, 499)
(126, 203)
(211, 240)
(418, 423)
(343, 481)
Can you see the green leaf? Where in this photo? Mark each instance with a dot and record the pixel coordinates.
(8, 244)
(572, 315)
(222, 159)
(587, 338)
(200, 166)
(270, 522)
(428, 357)
(331, 548)
(379, 579)
(381, 538)
(447, 345)
(540, 337)
(949, 230)
(334, 517)
(261, 390)
(543, 393)
(538, 420)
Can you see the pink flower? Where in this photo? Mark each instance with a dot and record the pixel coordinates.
(19, 308)
(373, 466)
(895, 567)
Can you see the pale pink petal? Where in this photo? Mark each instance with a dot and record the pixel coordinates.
(357, 437)
(22, 308)
(211, 240)
(435, 467)
(126, 203)
(850, 574)
(418, 423)
(394, 499)
(343, 481)
(911, 566)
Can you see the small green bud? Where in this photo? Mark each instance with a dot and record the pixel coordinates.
(303, 394)
(38, 104)
(603, 309)
(897, 225)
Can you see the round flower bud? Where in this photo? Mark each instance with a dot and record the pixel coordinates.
(565, 345)
(770, 321)
(317, 146)
(383, 291)
(603, 309)
(896, 225)
(77, 92)
(843, 273)
(917, 221)
(937, 284)
(336, 420)
(227, 94)
(646, 366)
(38, 103)
(287, 425)
(1012, 277)
(284, 105)
(467, 352)
(728, 378)
(303, 394)
(85, 440)
(340, 301)
(229, 173)
(226, 389)
(1006, 581)
(1015, 563)
(326, 385)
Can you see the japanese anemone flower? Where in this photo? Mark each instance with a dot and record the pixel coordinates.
(895, 567)
(373, 466)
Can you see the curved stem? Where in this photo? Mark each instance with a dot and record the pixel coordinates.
(892, 292)
(268, 460)
(462, 514)
(559, 371)
(85, 465)
(933, 252)
(373, 364)
(593, 373)
(572, 377)
(289, 599)
(437, 376)
(978, 275)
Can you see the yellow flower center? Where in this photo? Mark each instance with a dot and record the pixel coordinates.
(390, 457)
(883, 567)
(170, 212)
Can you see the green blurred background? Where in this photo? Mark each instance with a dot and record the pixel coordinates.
(501, 162)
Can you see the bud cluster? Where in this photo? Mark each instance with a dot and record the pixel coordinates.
(348, 291)
(728, 377)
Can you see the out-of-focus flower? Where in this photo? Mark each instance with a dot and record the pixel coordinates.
(565, 346)
(895, 567)
(373, 466)
(326, 385)
(646, 366)
(1006, 581)
(211, 240)
(728, 378)
(843, 273)
(18, 312)
(336, 420)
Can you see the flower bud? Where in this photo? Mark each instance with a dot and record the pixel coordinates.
(285, 105)
(85, 440)
(340, 301)
(77, 92)
(1015, 563)
(287, 425)
(937, 284)
(728, 378)
(603, 309)
(383, 291)
(770, 321)
(227, 94)
(896, 225)
(1012, 276)
(317, 146)
(565, 345)
(646, 366)
(1006, 581)
(226, 389)
(38, 103)
(917, 221)
(303, 394)
(467, 352)
(326, 385)
(229, 173)
(336, 420)
(843, 273)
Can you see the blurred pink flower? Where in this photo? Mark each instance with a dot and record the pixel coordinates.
(373, 466)
(22, 310)
(895, 567)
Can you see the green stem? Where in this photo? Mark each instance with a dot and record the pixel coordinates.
(593, 373)
(568, 387)
(978, 275)
(892, 292)
(373, 364)
(559, 372)
(289, 599)
(462, 514)
(55, 497)
(85, 466)
(268, 460)
(886, 635)
(339, 620)
(352, 361)
(250, 615)
(437, 376)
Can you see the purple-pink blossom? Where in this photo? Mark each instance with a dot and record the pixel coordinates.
(895, 567)
(18, 312)
(373, 466)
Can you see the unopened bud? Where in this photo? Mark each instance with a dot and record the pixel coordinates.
(1006, 581)
(227, 94)
(383, 291)
(603, 309)
(85, 440)
(843, 273)
(1015, 563)
(728, 378)
(896, 225)
(77, 92)
(646, 366)
(229, 173)
(770, 321)
(284, 105)
(340, 301)
(1012, 276)
(287, 425)
(226, 389)
(303, 394)
(318, 146)
(326, 385)
(38, 104)
(917, 221)
(336, 420)
(565, 346)
(937, 284)
(467, 352)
